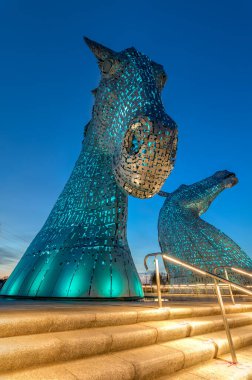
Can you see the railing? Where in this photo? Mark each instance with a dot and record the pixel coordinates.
(180, 291)
(237, 270)
(216, 278)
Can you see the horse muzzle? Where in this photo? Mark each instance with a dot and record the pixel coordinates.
(228, 179)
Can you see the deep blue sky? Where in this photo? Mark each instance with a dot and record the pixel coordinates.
(47, 74)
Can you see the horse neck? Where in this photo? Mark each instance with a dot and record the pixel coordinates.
(91, 199)
(172, 211)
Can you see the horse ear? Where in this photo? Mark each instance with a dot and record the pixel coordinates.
(101, 52)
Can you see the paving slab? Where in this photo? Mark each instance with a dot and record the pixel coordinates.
(105, 367)
(150, 362)
(219, 369)
(194, 350)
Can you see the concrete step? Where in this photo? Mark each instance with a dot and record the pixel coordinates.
(143, 363)
(33, 321)
(218, 369)
(37, 349)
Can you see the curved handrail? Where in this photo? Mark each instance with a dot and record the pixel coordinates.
(216, 278)
(193, 268)
(234, 269)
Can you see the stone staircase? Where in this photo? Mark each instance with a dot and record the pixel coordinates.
(115, 341)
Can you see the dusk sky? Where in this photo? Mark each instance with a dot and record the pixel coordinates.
(46, 77)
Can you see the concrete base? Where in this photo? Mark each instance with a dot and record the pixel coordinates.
(96, 299)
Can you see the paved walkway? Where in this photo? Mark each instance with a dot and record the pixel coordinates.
(14, 305)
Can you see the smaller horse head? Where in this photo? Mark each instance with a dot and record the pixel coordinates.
(199, 196)
(184, 234)
(129, 121)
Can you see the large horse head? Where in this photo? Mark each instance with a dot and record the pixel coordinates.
(129, 121)
(198, 197)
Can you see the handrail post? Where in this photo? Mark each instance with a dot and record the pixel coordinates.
(158, 283)
(225, 321)
(216, 279)
(230, 287)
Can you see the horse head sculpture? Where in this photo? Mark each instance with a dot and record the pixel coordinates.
(129, 148)
(185, 235)
(129, 120)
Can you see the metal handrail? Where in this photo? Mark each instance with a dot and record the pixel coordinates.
(216, 278)
(237, 270)
(241, 271)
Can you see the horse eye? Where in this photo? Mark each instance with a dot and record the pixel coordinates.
(133, 145)
(163, 79)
